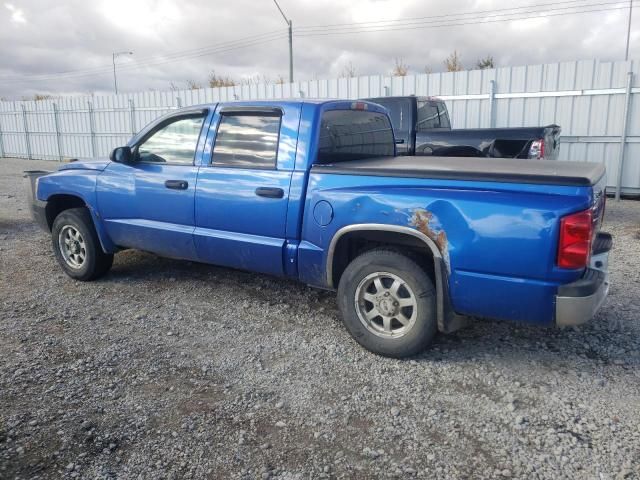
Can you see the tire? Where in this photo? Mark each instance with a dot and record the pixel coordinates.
(407, 322)
(76, 246)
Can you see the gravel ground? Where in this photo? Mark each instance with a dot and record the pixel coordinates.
(170, 369)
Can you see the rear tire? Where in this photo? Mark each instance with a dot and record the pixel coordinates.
(388, 303)
(77, 247)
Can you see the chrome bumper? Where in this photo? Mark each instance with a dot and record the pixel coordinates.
(578, 302)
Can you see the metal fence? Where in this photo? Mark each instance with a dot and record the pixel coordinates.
(596, 103)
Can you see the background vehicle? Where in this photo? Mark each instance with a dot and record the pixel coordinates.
(308, 190)
(422, 127)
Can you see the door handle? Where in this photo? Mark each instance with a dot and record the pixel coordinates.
(176, 184)
(270, 192)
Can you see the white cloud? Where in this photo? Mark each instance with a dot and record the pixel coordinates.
(17, 15)
(173, 39)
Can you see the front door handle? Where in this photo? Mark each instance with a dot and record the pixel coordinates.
(269, 192)
(176, 184)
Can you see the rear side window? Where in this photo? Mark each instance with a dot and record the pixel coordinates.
(432, 115)
(247, 140)
(354, 134)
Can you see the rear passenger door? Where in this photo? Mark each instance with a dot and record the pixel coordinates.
(242, 193)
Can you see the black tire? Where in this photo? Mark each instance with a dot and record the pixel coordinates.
(418, 288)
(95, 263)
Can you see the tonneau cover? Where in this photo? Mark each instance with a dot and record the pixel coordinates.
(544, 172)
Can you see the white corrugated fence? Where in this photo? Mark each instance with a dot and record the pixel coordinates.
(593, 102)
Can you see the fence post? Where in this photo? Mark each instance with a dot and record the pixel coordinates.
(56, 122)
(26, 131)
(623, 136)
(92, 129)
(492, 104)
(178, 102)
(132, 112)
(1, 140)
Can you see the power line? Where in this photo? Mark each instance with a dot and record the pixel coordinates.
(475, 13)
(427, 25)
(220, 47)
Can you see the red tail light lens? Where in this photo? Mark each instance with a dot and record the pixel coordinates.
(537, 149)
(576, 232)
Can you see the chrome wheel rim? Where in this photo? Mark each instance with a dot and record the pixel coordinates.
(386, 305)
(72, 246)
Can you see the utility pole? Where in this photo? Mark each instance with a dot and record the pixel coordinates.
(290, 24)
(115, 55)
(626, 52)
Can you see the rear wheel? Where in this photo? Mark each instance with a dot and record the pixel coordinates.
(76, 245)
(388, 303)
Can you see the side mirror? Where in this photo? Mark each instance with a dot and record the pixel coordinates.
(121, 155)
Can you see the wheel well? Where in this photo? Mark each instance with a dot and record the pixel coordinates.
(352, 244)
(59, 203)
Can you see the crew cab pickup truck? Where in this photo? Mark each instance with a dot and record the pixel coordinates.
(422, 127)
(310, 190)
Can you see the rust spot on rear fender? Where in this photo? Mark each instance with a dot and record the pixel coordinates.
(423, 221)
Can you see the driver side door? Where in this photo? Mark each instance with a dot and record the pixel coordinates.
(148, 204)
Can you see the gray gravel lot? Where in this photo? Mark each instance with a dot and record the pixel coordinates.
(170, 369)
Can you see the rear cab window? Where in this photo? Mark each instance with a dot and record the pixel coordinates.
(432, 115)
(354, 135)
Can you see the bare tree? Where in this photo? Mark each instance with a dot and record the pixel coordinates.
(428, 69)
(348, 70)
(484, 63)
(193, 85)
(42, 96)
(173, 87)
(400, 69)
(216, 81)
(453, 63)
(280, 80)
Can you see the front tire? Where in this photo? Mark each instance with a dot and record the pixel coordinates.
(76, 246)
(388, 303)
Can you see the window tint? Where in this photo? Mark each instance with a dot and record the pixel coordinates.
(432, 115)
(174, 143)
(354, 134)
(247, 141)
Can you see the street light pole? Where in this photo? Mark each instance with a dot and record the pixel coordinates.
(626, 51)
(290, 24)
(115, 55)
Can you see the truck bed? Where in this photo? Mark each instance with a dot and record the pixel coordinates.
(544, 172)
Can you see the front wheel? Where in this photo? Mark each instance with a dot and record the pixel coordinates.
(76, 245)
(388, 303)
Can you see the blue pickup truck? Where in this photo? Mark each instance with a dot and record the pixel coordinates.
(311, 190)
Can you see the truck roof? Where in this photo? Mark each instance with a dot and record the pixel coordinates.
(292, 102)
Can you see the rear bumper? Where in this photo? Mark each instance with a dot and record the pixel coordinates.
(578, 302)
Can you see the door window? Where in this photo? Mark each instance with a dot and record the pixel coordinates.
(247, 140)
(174, 143)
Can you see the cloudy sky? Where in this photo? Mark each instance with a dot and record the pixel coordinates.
(65, 47)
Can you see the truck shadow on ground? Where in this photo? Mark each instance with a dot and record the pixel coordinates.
(481, 339)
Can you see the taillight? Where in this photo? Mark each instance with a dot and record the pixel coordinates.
(537, 149)
(576, 232)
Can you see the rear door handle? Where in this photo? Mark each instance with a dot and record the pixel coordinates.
(176, 184)
(270, 192)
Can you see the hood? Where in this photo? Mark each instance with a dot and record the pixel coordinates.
(97, 164)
